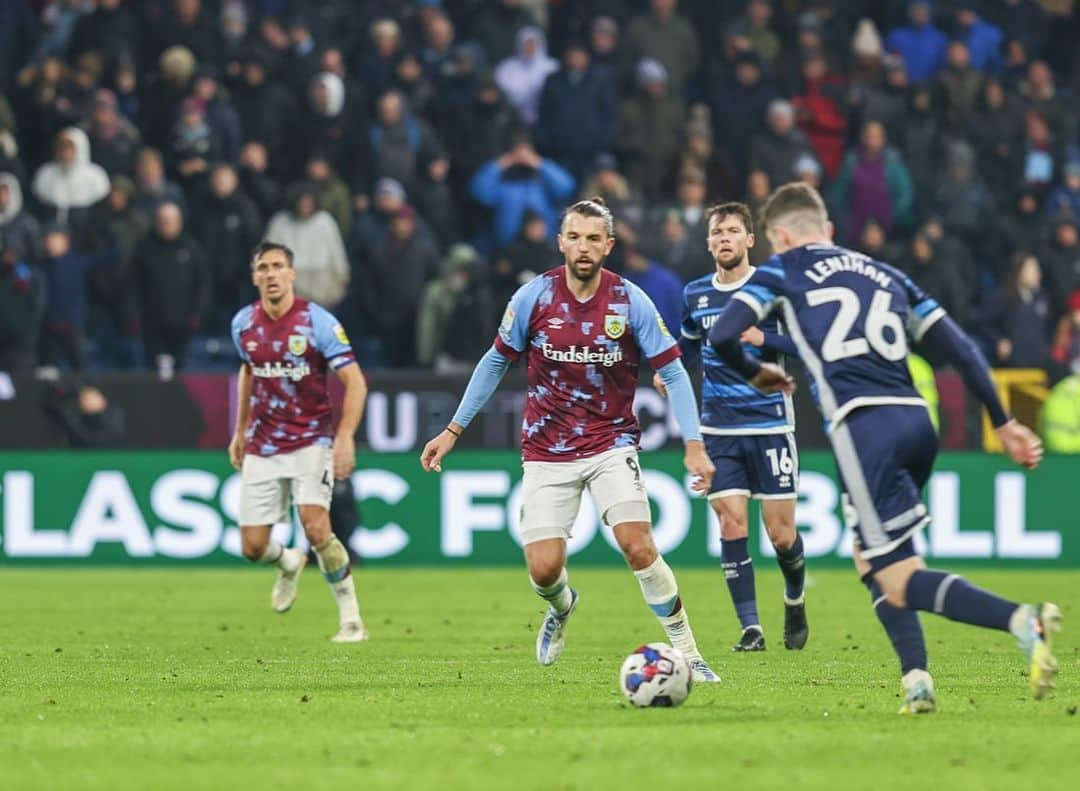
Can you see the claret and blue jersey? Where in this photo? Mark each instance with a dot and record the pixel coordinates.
(582, 363)
(729, 406)
(849, 317)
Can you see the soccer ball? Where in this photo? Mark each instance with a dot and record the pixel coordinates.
(655, 675)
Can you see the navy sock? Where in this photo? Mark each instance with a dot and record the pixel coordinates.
(793, 565)
(903, 628)
(958, 600)
(739, 574)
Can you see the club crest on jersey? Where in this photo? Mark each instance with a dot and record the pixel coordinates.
(614, 326)
(297, 344)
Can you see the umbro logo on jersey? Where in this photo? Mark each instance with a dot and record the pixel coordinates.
(555, 323)
(252, 345)
(702, 301)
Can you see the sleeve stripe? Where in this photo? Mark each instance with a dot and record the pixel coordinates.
(505, 349)
(693, 336)
(342, 360)
(751, 302)
(919, 328)
(670, 353)
(772, 270)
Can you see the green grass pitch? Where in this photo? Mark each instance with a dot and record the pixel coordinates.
(185, 679)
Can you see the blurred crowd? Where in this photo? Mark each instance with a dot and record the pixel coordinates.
(416, 155)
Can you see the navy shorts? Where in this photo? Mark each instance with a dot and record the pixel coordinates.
(885, 455)
(762, 466)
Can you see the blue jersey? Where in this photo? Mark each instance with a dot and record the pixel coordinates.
(850, 317)
(728, 404)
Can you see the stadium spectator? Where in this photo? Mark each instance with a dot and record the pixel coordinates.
(152, 188)
(964, 202)
(174, 287)
(1040, 91)
(334, 130)
(114, 140)
(873, 182)
(1024, 20)
(453, 318)
(884, 100)
(664, 35)
(521, 76)
(664, 287)
(737, 104)
(110, 29)
(189, 26)
(220, 116)
(983, 39)
(577, 112)
(404, 147)
(757, 27)
(256, 179)
(1066, 348)
(400, 266)
(1016, 319)
(63, 333)
(649, 129)
(821, 113)
(530, 254)
(193, 146)
(86, 416)
(322, 267)
(936, 275)
(114, 318)
(1064, 200)
(607, 182)
(22, 301)
(996, 130)
(693, 259)
(69, 185)
(229, 225)
(267, 110)
(497, 27)
(162, 94)
(919, 43)
(958, 85)
(20, 232)
(333, 194)
(776, 150)
(607, 52)
(1061, 260)
(1060, 417)
(518, 180)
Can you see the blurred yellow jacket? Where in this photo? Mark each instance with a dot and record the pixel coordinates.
(922, 375)
(1061, 416)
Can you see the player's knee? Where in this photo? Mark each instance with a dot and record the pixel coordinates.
(894, 593)
(317, 531)
(545, 571)
(640, 554)
(783, 539)
(252, 549)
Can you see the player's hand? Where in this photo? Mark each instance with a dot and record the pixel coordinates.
(699, 466)
(236, 451)
(773, 379)
(1021, 444)
(753, 336)
(436, 450)
(658, 384)
(344, 458)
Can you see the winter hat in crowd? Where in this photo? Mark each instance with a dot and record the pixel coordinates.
(867, 41)
(177, 64)
(649, 71)
(390, 187)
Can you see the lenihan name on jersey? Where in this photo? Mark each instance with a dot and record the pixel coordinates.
(848, 262)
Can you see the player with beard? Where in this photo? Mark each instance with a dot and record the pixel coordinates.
(583, 331)
(750, 437)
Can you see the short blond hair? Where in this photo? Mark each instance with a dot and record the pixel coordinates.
(796, 205)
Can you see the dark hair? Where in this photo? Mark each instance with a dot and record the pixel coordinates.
(1012, 278)
(266, 246)
(593, 207)
(798, 203)
(731, 208)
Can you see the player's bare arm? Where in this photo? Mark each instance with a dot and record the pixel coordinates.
(243, 408)
(352, 412)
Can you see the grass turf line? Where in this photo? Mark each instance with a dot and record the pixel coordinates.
(113, 679)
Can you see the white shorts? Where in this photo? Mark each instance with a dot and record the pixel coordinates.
(551, 493)
(308, 474)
